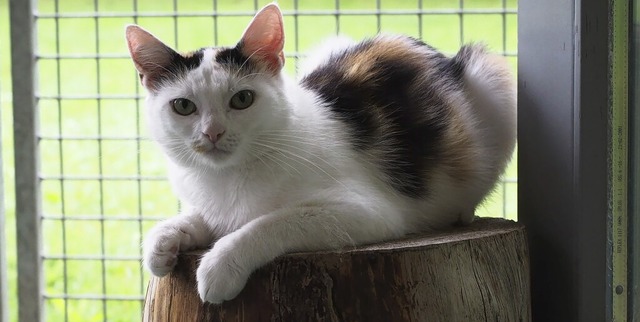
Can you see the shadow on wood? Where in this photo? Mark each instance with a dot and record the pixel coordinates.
(475, 273)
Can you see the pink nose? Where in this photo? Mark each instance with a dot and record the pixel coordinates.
(214, 135)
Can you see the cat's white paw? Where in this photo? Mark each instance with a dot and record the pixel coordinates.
(220, 276)
(161, 247)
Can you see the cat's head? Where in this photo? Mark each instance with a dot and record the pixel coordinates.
(205, 108)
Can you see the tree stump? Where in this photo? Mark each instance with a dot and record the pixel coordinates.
(478, 272)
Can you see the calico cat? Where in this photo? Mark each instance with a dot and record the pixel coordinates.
(377, 139)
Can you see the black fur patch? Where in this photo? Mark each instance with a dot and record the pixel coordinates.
(456, 65)
(447, 69)
(416, 116)
(188, 62)
(233, 57)
(177, 66)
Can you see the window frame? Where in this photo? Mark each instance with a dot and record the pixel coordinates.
(564, 170)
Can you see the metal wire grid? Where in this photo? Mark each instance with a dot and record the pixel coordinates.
(77, 198)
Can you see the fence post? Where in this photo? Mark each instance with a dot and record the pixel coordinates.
(26, 161)
(4, 297)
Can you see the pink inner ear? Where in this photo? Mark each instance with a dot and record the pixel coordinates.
(149, 54)
(146, 50)
(264, 38)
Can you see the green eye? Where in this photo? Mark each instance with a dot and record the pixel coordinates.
(183, 106)
(241, 100)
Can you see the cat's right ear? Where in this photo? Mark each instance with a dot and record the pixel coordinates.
(263, 40)
(150, 56)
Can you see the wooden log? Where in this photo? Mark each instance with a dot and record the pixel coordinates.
(475, 273)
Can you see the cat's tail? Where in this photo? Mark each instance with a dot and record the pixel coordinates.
(491, 90)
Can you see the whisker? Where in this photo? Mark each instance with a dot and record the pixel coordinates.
(293, 155)
(280, 162)
(300, 149)
(291, 139)
(257, 156)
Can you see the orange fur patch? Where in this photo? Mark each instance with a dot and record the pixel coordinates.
(361, 65)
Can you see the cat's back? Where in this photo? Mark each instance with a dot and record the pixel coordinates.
(394, 94)
(387, 80)
(408, 110)
(382, 62)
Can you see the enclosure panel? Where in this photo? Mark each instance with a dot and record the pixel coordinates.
(26, 161)
(103, 182)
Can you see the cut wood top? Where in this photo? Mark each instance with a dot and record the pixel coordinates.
(481, 227)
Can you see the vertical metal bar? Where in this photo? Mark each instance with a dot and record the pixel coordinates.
(139, 166)
(28, 212)
(420, 6)
(215, 22)
(175, 23)
(337, 16)
(634, 168)
(504, 26)
(618, 160)
(4, 295)
(461, 21)
(504, 51)
(175, 34)
(100, 165)
(378, 16)
(65, 269)
(504, 199)
(297, 33)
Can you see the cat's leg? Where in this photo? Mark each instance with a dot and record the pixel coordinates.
(224, 270)
(164, 241)
(467, 216)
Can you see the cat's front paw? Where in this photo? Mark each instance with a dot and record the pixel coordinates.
(220, 275)
(161, 247)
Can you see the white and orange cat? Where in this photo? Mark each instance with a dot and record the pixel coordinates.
(377, 139)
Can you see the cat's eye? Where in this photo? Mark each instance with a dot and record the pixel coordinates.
(241, 100)
(183, 106)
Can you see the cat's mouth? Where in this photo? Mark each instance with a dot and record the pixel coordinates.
(212, 150)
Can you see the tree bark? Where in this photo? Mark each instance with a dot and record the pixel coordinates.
(478, 272)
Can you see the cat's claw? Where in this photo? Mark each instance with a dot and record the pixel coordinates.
(220, 277)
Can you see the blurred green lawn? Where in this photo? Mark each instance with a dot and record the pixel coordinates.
(114, 119)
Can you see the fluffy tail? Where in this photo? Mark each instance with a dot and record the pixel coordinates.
(492, 92)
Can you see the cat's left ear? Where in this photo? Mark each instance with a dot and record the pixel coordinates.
(263, 40)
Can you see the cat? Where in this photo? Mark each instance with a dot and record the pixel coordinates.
(376, 140)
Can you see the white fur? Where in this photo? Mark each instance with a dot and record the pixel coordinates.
(322, 53)
(491, 110)
(289, 182)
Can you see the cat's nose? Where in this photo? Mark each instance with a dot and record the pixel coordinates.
(214, 134)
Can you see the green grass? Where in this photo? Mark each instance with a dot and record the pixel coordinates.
(123, 118)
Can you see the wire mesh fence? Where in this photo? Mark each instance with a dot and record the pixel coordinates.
(102, 184)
